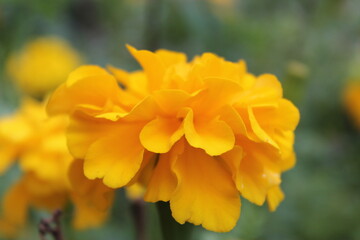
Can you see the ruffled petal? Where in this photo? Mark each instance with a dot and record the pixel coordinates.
(250, 183)
(215, 137)
(285, 140)
(170, 101)
(159, 135)
(233, 159)
(216, 93)
(259, 131)
(134, 82)
(285, 116)
(259, 171)
(203, 186)
(91, 89)
(83, 131)
(115, 158)
(229, 115)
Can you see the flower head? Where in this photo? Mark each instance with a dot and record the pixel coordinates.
(199, 134)
(42, 65)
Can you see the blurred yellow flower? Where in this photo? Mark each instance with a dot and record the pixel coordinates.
(352, 101)
(92, 199)
(199, 134)
(135, 191)
(39, 143)
(42, 65)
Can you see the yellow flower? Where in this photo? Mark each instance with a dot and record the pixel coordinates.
(199, 134)
(352, 101)
(40, 145)
(42, 65)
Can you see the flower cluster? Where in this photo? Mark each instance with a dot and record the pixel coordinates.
(39, 144)
(42, 65)
(198, 133)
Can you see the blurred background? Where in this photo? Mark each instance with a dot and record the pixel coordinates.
(313, 47)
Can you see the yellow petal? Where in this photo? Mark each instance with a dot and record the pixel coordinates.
(83, 131)
(266, 88)
(115, 158)
(211, 65)
(143, 111)
(203, 186)
(159, 135)
(84, 72)
(170, 58)
(91, 198)
(283, 117)
(215, 137)
(146, 169)
(250, 182)
(233, 159)
(83, 89)
(152, 65)
(285, 140)
(259, 132)
(162, 182)
(170, 101)
(217, 93)
(258, 172)
(134, 82)
(274, 197)
(15, 204)
(233, 119)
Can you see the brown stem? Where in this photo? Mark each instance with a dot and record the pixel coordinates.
(51, 226)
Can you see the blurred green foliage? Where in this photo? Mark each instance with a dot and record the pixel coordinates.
(312, 46)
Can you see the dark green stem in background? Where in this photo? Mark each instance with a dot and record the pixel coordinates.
(153, 24)
(138, 212)
(171, 229)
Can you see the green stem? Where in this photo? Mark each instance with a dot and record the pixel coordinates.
(171, 229)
